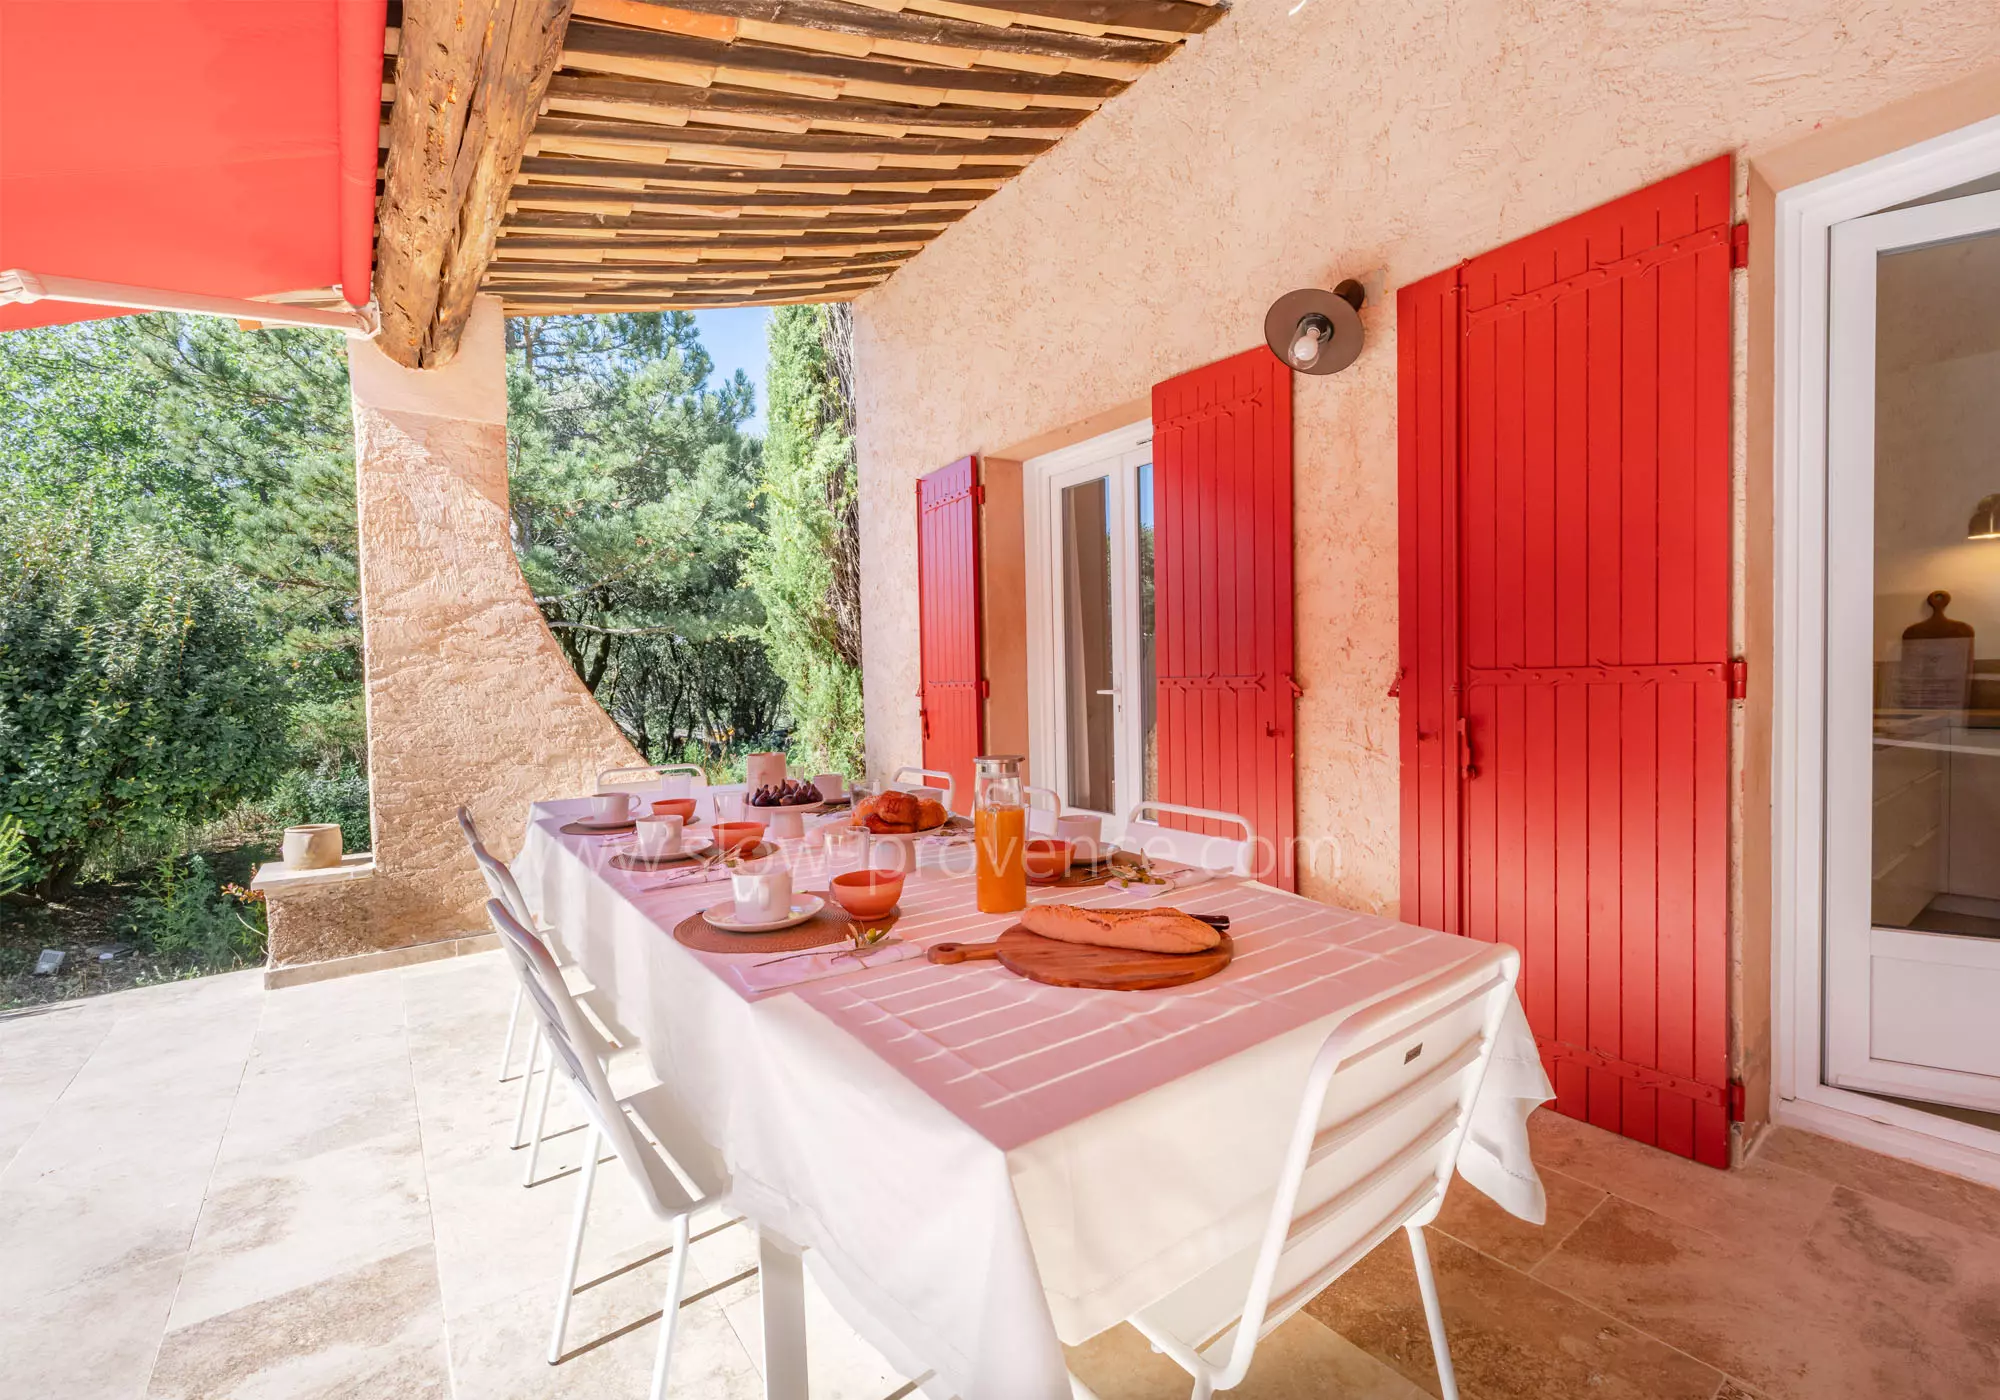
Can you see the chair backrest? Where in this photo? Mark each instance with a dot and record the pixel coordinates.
(923, 777)
(667, 776)
(500, 882)
(1237, 855)
(1376, 1141)
(577, 1052)
(1042, 820)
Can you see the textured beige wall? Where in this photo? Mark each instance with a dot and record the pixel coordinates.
(469, 698)
(1278, 151)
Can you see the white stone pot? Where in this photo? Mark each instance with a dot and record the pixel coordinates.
(314, 847)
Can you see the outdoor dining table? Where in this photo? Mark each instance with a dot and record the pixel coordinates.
(988, 1167)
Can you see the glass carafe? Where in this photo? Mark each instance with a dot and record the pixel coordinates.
(1000, 833)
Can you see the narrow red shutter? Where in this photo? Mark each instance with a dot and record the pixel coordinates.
(1427, 347)
(948, 636)
(1566, 575)
(1222, 562)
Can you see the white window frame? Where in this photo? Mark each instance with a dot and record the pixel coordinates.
(1805, 216)
(1116, 450)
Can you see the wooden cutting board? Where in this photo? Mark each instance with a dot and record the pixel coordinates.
(1060, 964)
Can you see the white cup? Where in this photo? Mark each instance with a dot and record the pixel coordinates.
(658, 836)
(832, 786)
(611, 806)
(762, 895)
(1085, 835)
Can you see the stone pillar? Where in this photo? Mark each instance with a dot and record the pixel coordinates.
(470, 699)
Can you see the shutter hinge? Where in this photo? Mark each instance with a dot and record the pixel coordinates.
(985, 689)
(1739, 247)
(1739, 678)
(979, 494)
(1396, 686)
(1738, 1100)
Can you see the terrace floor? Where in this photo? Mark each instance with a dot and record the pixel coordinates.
(210, 1190)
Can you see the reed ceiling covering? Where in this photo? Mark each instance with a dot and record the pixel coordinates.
(745, 152)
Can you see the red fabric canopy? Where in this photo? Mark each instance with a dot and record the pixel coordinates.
(225, 147)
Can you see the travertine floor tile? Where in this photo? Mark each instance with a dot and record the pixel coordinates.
(1878, 1303)
(373, 1332)
(1763, 1204)
(1948, 1198)
(94, 1341)
(1512, 1337)
(1473, 1218)
(1301, 1360)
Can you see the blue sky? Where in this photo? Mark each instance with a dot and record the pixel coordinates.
(735, 340)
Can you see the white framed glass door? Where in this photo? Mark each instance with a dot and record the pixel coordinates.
(1912, 886)
(1090, 657)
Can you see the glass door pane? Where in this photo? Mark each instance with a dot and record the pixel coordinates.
(1149, 758)
(1088, 663)
(1936, 762)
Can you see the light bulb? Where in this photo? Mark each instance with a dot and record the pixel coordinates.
(1305, 350)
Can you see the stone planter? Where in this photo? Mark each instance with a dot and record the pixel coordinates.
(314, 847)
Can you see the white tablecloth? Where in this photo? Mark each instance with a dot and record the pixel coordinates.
(989, 1165)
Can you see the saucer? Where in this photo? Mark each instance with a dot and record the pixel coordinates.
(723, 916)
(604, 823)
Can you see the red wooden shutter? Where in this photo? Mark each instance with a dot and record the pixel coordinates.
(948, 635)
(1222, 590)
(1589, 592)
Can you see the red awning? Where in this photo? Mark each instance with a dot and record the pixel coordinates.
(225, 147)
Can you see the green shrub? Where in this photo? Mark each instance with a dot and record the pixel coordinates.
(135, 693)
(13, 856)
(339, 794)
(187, 920)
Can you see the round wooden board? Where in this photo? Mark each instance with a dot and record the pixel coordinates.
(1060, 964)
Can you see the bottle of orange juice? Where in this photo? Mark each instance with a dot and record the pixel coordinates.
(1000, 833)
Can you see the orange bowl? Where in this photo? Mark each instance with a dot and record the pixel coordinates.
(682, 807)
(738, 836)
(1047, 859)
(867, 894)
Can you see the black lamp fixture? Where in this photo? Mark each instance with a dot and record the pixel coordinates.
(1314, 331)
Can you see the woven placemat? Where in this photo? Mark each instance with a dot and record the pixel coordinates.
(579, 829)
(831, 925)
(627, 861)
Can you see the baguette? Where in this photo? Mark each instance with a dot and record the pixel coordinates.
(1145, 930)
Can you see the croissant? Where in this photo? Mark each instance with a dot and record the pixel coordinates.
(899, 809)
(930, 813)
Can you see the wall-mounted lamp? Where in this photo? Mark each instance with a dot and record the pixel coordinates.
(1314, 331)
(1985, 522)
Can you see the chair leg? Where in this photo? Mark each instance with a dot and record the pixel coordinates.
(541, 1120)
(670, 1311)
(527, 1081)
(590, 1148)
(513, 1025)
(1433, 1313)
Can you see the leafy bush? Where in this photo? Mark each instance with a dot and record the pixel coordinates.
(329, 795)
(190, 922)
(135, 694)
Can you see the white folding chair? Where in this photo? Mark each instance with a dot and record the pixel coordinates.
(1150, 838)
(1043, 821)
(921, 777)
(500, 883)
(677, 1172)
(1377, 1137)
(641, 775)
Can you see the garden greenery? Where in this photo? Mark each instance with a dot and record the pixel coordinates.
(805, 568)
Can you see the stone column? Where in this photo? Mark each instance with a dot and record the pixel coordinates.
(470, 699)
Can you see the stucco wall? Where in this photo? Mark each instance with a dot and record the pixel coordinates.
(1278, 151)
(470, 700)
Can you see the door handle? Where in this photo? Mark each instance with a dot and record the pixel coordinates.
(1468, 760)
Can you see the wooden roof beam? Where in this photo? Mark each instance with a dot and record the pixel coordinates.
(470, 76)
(673, 104)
